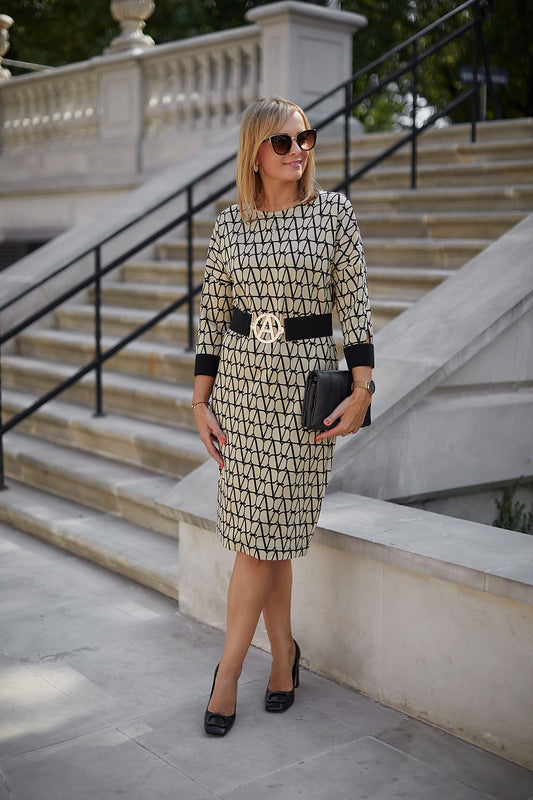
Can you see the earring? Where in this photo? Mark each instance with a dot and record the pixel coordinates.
(256, 167)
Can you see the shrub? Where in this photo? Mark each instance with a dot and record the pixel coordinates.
(511, 513)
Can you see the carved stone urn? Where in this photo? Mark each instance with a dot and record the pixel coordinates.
(131, 15)
(5, 24)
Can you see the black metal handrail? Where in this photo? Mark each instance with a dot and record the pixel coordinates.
(345, 111)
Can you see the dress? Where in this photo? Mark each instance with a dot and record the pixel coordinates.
(295, 262)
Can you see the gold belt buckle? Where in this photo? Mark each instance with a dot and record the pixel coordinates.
(267, 328)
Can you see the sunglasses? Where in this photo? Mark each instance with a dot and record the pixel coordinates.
(282, 142)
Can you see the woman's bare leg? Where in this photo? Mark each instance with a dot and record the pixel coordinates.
(249, 586)
(277, 617)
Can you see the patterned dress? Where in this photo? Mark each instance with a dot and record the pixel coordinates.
(303, 260)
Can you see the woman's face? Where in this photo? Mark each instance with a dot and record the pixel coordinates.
(287, 168)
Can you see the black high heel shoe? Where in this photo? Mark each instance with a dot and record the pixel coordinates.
(219, 724)
(276, 702)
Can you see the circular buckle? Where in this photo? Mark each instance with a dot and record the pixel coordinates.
(267, 328)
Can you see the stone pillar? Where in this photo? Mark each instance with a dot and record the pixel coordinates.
(131, 15)
(5, 24)
(306, 50)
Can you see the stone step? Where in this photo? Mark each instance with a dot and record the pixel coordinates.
(469, 198)
(402, 283)
(126, 491)
(134, 441)
(400, 252)
(495, 173)
(443, 225)
(479, 199)
(384, 309)
(331, 159)
(149, 359)
(119, 321)
(118, 545)
(176, 249)
(494, 130)
(165, 403)
(166, 271)
(142, 295)
(462, 225)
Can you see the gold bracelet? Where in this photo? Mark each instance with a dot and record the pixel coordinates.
(200, 403)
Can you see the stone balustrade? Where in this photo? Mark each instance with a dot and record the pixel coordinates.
(50, 107)
(204, 83)
(123, 114)
(199, 83)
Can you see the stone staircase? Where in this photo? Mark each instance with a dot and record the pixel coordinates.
(88, 483)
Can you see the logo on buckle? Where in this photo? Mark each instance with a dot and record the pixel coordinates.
(267, 328)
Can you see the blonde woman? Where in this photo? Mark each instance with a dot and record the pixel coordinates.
(278, 263)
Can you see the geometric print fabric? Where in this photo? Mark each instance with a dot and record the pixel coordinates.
(303, 260)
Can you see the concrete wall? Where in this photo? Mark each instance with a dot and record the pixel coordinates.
(428, 614)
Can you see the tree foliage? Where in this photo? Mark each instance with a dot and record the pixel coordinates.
(57, 32)
(512, 514)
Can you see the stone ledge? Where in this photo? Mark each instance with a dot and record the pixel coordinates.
(469, 554)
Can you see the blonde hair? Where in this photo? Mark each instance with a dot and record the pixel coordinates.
(259, 121)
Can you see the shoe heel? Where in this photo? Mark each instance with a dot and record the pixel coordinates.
(296, 667)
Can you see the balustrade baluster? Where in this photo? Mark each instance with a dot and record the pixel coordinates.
(230, 85)
(250, 76)
(172, 94)
(200, 85)
(188, 107)
(181, 96)
(215, 97)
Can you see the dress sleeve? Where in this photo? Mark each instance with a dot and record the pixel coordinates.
(349, 288)
(215, 307)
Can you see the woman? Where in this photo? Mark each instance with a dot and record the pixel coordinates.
(277, 264)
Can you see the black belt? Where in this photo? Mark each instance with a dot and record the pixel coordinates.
(269, 327)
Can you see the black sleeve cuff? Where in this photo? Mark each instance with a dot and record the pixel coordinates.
(359, 355)
(205, 364)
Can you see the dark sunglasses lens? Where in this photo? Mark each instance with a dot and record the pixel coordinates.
(281, 143)
(306, 139)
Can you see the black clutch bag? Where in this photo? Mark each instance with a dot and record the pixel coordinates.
(324, 390)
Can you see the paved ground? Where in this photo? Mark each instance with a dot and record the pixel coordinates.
(103, 685)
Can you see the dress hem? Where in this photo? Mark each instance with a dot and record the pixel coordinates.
(252, 551)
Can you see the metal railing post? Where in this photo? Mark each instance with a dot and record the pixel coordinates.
(488, 76)
(190, 263)
(2, 473)
(347, 136)
(414, 140)
(475, 94)
(98, 331)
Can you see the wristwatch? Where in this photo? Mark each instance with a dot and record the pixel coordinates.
(370, 386)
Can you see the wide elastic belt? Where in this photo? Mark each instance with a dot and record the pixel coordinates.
(268, 328)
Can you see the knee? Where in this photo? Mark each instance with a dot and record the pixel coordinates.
(260, 566)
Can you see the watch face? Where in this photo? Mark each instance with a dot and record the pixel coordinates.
(371, 387)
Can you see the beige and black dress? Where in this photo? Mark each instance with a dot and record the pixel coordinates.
(297, 262)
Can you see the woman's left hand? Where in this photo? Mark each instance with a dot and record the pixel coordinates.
(351, 413)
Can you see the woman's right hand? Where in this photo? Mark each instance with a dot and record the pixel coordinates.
(210, 432)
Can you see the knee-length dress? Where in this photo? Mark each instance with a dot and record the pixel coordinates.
(307, 259)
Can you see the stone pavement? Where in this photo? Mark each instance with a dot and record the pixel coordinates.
(103, 686)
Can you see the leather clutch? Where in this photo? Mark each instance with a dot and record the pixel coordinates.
(324, 390)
